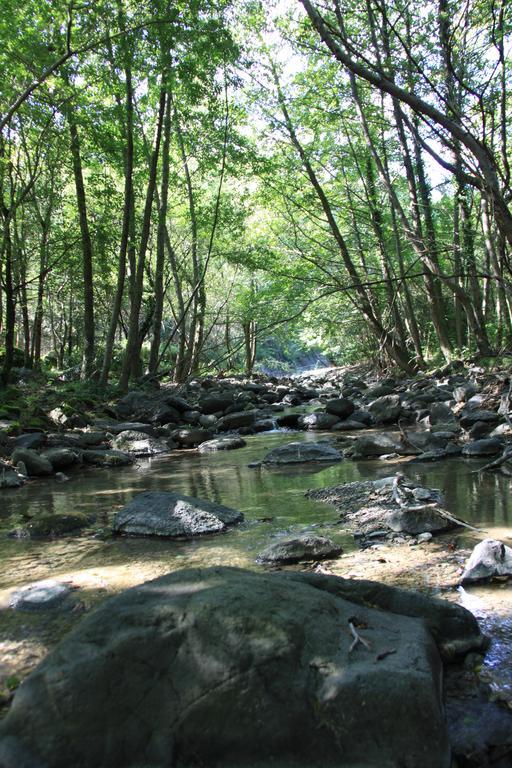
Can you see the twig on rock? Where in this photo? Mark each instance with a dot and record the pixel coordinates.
(357, 638)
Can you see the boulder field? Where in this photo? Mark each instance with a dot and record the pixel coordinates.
(452, 411)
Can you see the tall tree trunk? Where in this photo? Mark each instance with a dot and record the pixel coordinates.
(160, 243)
(131, 362)
(87, 255)
(126, 231)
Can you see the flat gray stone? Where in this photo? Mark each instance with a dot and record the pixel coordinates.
(160, 513)
(106, 458)
(39, 596)
(299, 549)
(222, 444)
(300, 452)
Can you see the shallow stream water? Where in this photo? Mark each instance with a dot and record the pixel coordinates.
(273, 502)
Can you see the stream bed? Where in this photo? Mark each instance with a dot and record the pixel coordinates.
(272, 500)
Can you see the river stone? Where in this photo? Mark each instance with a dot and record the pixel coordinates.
(10, 479)
(191, 437)
(162, 513)
(318, 421)
(222, 444)
(348, 425)
(486, 447)
(489, 558)
(227, 668)
(288, 420)
(386, 410)
(471, 417)
(39, 596)
(32, 440)
(106, 458)
(237, 419)
(441, 413)
(139, 443)
(341, 407)
(299, 452)
(37, 466)
(215, 403)
(60, 458)
(298, 549)
(56, 524)
(116, 427)
(375, 445)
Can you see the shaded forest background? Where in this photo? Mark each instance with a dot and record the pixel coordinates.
(207, 186)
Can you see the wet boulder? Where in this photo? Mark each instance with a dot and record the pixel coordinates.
(237, 419)
(139, 443)
(375, 445)
(485, 447)
(223, 667)
(162, 513)
(288, 420)
(191, 437)
(299, 549)
(9, 478)
(470, 417)
(116, 427)
(106, 458)
(61, 458)
(341, 407)
(489, 558)
(441, 413)
(36, 465)
(300, 452)
(215, 403)
(386, 410)
(222, 444)
(318, 421)
(33, 440)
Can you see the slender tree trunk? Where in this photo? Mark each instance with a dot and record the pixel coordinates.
(160, 244)
(132, 363)
(87, 254)
(126, 231)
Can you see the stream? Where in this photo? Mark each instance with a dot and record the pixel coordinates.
(273, 502)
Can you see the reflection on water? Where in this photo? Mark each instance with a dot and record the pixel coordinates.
(273, 503)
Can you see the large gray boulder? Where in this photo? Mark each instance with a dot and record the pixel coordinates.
(298, 549)
(300, 452)
(228, 669)
(386, 410)
(162, 513)
(489, 558)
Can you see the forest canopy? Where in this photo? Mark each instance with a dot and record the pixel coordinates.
(228, 185)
